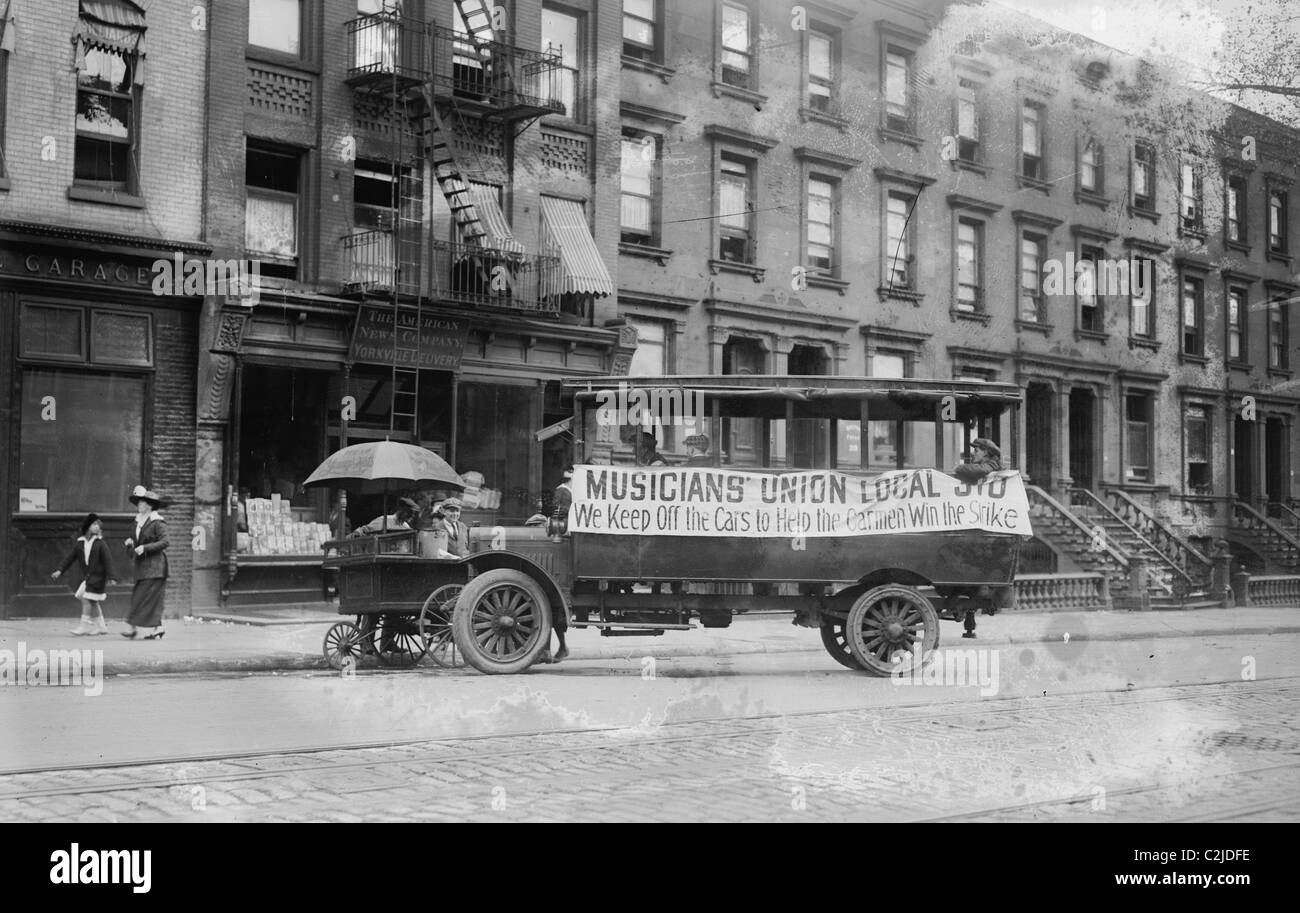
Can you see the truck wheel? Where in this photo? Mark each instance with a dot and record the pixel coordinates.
(502, 622)
(887, 620)
(837, 645)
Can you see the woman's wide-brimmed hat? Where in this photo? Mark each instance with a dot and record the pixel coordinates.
(86, 524)
(140, 493)
(988, 445)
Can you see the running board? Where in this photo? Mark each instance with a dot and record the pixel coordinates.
(633, 626)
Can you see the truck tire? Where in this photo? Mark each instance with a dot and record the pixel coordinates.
(502, 622)
(888, 619)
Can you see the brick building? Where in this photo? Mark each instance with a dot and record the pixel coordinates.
(447, 165)
(101, 175)
(885, 188)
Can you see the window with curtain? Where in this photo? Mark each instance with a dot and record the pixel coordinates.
(641, 35)
(1090, 167)
(1032, 251)
(737, 46)
(276, 25)
(821, 225)
(898, 90)
(640, 160)
(1193, 316)
(271, 209)
(1141, 295)
(1236, 324)
(562, 34)
(106, 132)
(968, 125)
(898, 242)
(1137, 436)
(1235, 226)
(1031, 141)
(1196, 435)
(821, 70)
(1144, 176)
(736, 217)
(969, 242)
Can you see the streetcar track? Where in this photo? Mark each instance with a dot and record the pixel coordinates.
(916, 713)
(1077, 799)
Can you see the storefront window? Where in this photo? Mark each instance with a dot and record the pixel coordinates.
(497, 422)
(282, 432)
(82, 439)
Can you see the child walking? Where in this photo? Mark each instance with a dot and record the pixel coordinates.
(91, 555)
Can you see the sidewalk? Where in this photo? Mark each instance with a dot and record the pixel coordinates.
(267, 642)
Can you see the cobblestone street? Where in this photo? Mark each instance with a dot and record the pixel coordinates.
(1204, 752)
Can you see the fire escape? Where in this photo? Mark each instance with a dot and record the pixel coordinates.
(455, 99)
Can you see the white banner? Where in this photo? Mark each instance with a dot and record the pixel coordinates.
(698, 501)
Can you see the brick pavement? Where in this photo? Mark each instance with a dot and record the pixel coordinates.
(1188, 752)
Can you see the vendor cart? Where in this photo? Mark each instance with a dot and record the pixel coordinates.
(401, 601)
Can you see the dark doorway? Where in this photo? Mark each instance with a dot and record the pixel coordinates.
(1038, 434)
(1275, 461)
(810, 440)
(1243, 445)
(1083, 443)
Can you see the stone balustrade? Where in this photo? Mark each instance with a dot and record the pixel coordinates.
(1061, 592)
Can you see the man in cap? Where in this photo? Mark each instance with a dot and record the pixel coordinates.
(697, 450)
(985, 457)
(457, 532)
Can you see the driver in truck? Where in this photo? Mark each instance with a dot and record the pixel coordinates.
(985, 458)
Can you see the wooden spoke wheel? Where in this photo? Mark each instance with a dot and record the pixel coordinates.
(435, 626)
(888, 620)
(343, 645)
(502, 622)
(397, 641)
(836, 642)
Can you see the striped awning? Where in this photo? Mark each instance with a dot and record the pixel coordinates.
(489, 212)
(565, 225)
(111, 25)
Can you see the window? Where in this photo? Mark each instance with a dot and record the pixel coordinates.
(271, 209)
(1032, 252)
(1236, 209)
(1196, 438)
(1236, 324)
(968, 122)
(1087, 292)
(1278, 335)
(4, 93)
(1193, 316)
(493, 439)
(883, 435)
(898, 243)
(276, 24)
(822, 50)
(1144, 176)
(1137, 436)
(820, 232)
(1142, 292)
(106, 121)
(1277, 222)
(640, 188)
(1091, 174)
(898, 90)
(108, 413)
(737, 46)
(736, 210)
(641, 29)
(1031, 141)
(1189, 195)
(970, 243)
(562, 34)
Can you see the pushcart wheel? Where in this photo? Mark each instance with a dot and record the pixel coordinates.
(890, 620)
(435, 626)
(397, 641)
(836, 642)
(343, 645)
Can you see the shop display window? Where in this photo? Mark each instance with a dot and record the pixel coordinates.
(82, 438)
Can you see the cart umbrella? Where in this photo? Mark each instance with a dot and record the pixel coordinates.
(377, 467)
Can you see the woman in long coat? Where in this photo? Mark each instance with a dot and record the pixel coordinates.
(149, 545)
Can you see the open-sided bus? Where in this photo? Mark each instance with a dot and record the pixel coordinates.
(829, 497)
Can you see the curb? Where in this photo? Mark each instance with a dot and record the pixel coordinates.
(316, 663)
